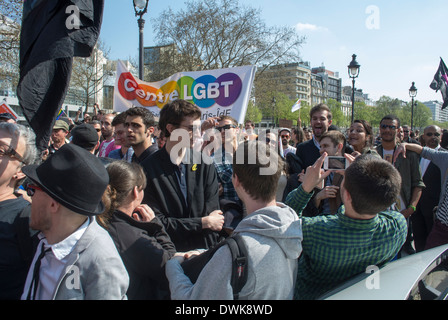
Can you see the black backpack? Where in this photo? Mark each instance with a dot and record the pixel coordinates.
(194, 266)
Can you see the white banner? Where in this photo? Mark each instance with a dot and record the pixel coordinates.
(215, 92)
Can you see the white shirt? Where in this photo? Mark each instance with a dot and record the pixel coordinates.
(288, 150)
(52, 264)
(424, 163)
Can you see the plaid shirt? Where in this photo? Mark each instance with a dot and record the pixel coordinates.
(223, 165)
(337, 247)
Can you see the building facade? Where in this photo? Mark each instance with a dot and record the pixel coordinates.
(292, 79)
(437, 113)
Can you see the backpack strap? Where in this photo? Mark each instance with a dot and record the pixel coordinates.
(239, 263)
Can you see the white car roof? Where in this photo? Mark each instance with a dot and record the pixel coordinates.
(395, 280)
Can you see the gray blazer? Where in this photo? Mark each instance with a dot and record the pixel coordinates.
(94, 269)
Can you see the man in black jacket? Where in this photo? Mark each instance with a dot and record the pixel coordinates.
(183, 191)
(308, 152)
(423, 218)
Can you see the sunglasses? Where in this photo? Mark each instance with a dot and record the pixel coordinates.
(385, 126)
(429, 134)
(285, 136)
(31, 189)
(226, 127)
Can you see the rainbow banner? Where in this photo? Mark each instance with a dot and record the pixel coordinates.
(215, 92)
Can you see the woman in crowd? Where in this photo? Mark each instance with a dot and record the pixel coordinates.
(17, 149)
(361, 137)
(139, 236)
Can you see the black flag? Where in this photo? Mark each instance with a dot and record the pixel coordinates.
(53, 32)
(440, 82)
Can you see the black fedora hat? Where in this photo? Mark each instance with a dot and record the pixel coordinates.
(73, 177)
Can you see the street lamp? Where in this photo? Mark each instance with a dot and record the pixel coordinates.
(353, 72)
(140, 7)
(412, 94)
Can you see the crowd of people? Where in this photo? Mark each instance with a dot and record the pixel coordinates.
(119, 204)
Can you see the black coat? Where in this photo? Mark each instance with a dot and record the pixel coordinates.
(144, 247)
(182, 220)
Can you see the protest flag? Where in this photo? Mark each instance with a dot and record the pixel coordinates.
(53, 32)
(440, 82)
(297, 106)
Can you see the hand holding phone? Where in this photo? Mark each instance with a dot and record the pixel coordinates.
(335, 163)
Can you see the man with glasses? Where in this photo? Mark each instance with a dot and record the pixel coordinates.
(423, 218)
(75, 259)
(407, 135)
(438, 234)
(223, 157)
(285, 135)
(183, 192)
(17, 148)
(409, 168)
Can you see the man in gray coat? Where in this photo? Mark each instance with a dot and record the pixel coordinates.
(76, 259)
(271, 232)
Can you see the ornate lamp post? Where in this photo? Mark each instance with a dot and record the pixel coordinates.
(412, 94)
(353, 72)
(140, 7)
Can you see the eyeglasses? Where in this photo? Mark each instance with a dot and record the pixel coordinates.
(226, 127)
(385, 126)
(429, 134)
(31, 189)
(12, 153)
(285, 136)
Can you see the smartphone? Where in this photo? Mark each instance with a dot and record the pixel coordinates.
(335, 163)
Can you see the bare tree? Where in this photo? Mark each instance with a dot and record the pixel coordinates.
(214, 34)
(10, 19)
(89, 75)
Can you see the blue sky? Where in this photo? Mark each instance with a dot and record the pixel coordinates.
(404, 45)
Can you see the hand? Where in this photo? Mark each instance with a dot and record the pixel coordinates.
(356, 154)
(143, 213)
(213, 221)
(209, 123)
(327, 192)
(401, 149)
(315, 174)
(179, 256)
(301, 176)
(407, 212)
(191, 254)
(350, 158)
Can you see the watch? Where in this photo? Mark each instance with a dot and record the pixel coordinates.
(413, 208)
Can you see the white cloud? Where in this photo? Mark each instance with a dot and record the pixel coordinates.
(309, 27)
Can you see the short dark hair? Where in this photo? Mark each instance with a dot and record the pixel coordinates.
(230, 119)
(119, 119)
(391, 117)
(176, 111)
(321, 107)
(335, 136)
(373, 184)
(251, 123)
(259, 187)
(145, 114)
